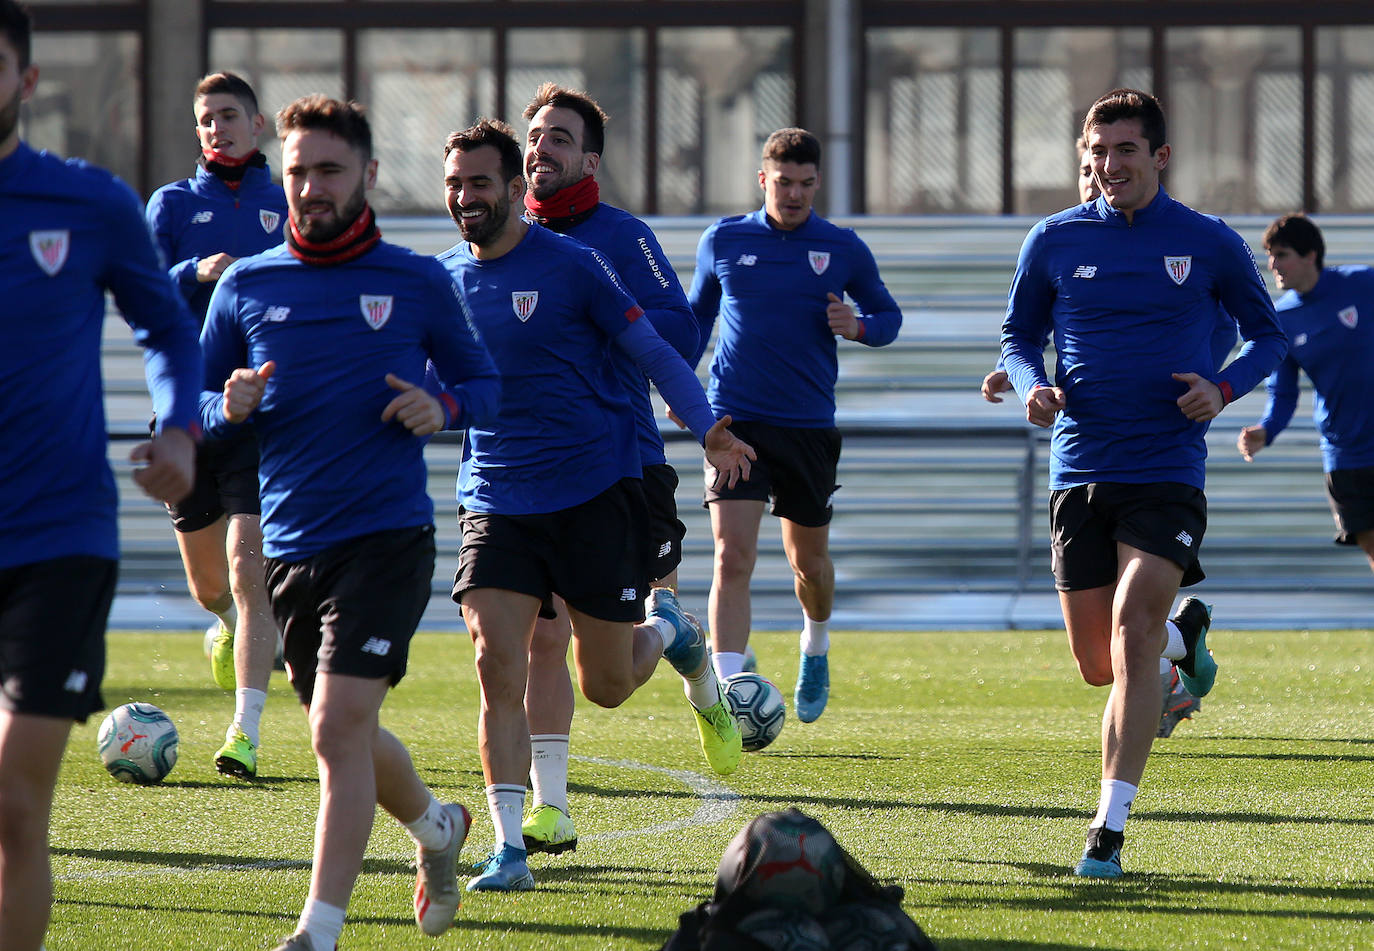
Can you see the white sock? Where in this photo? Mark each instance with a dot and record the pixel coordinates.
(1174, 649)
(1165, 665)
(815, 636)
(549, 769)
(1114, 805)
(663, 628)
(434, 829)
(323, 922)
(727, 663)
(703, 690)
(230, 618)
(248, 704)
(507, 806)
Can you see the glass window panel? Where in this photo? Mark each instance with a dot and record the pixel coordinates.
(934, 121)
(87, 101)
(1235, 118)
(281, 66)
(722, 91)
(1058, 74)
(609, 66)
(420, 85)
(1345, 120)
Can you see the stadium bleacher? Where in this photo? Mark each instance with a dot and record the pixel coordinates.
(941, 522)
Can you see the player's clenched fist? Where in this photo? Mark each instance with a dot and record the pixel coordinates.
(243, 390)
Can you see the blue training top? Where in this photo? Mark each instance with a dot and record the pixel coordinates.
(1331, 338)
(1130, 304)
(776, 360)
(330, 469)
(549, 311)
(68, 232)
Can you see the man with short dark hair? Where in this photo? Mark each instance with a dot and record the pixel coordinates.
(69, 232)
(777, 279)
(318, 342)
(1328, 315)
(229, 209)
(1131, 287)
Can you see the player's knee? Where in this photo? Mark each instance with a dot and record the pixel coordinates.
(1096, 671)
(734, 563)
(212, 594)
(246, 577)
(607, 690)
(814, 570)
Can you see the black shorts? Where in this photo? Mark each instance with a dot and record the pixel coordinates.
(795, 471)
(52, 635)
(352, 609)
(593, 555)
(1167, 519)
(226, 483)
(1351, 495)
(666, 530)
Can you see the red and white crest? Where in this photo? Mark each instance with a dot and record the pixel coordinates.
(376, 309)
(50, 249)
(523, 303)
(820, 260)
(1179, 267)
(270, 220)
(1350, 316)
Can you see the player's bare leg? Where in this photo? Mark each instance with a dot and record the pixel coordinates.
(31, 750)
(549, 705)
(813, 574)
(735, 529)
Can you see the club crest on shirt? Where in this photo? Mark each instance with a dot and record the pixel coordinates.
(1350, 317)
(376, 309)
(50, 249)
(820, 260)
(1179, 267)
(270, 220)
(523, 303)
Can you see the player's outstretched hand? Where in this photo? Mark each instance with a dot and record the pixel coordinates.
(840, 317)
(211, 269)
(243, 390)
(166, 465)
(1250, 441)
(995, 382)
(413, 408)
(728, 455)
(1044, 404)
(1203, 401)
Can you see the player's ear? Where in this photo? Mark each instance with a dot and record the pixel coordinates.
(590, 162)
(259, 124)
(370, 176)
(516, 189)
(1162, 156)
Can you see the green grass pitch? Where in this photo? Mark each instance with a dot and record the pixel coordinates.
(962, 766)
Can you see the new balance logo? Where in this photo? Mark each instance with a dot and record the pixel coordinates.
(276, 314)
(629, 594)
(665, 549)
(748, 260)
(76, 682)
(202, 217)
(1085, 271)
(377, 645)
(1185, 538)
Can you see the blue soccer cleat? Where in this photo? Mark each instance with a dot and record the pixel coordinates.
(1102, 855)
(813, 687)
(505, 871)
(687, 652)
(1197, 669)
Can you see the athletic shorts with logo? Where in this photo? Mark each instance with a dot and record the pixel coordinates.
(1350, 493)
(1167, 519)
(795, 471)
(593, 555)
(53, 615)
(666, 530)
(353, 608)
(226, 483)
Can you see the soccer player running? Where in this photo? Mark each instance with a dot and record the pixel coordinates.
(229, 209)
(1328, 314)
(550, 492)
(319, 343)
(563, 149)
(1130, 287)
(777, 279)
(68, 233)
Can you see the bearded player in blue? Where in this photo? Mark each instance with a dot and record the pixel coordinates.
(1328, 314)
(317, 342)
(563, 150)
(1131, 287)
(230, 209)
(550, 493)
(68, 233)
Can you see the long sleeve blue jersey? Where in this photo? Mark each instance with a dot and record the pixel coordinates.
(1330, 338)
(68, 232)
(549, 311)
(200, 216)
(330, 469)
(1130, 304)
(776, 360)
(630, 246)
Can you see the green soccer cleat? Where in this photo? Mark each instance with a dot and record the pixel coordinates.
(720, 736)
(222, 657)
(238, 757)
(549, 829)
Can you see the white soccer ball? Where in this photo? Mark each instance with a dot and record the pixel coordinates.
(138, 743)
(758, 707)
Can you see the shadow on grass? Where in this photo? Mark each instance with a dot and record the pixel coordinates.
(999, 944)
(239, 912)
(1175, 753)
(1158, 815)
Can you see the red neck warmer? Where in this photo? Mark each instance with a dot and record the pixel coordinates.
(577, 199)
(231, 170)
(356, 240)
